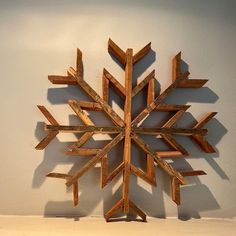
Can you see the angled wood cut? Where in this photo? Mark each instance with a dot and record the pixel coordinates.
(127, 130)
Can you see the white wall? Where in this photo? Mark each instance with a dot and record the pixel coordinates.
(38, 38)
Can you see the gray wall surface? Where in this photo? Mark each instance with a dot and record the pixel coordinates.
(38, 38)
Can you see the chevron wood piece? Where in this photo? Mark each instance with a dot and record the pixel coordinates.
(127, 130)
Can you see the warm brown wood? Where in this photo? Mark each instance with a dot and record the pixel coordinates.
(179, 131)
(80, 113)
(114, 209)
(137, 171)
(143, 83)
(44, 142)
(205, 119)
(163, 164)
(95, 159)
(175, 189)
(193, 173)
(59, 79)
(203, 143)
(114, 83)
(138, 211)
(75, 193)
(82, 152)
(127, 120)
(82, 129)
(126, 128)
(117, 52)
(142, 53)
(48, 115)
(90, 92)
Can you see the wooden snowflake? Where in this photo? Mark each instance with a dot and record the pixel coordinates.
(128, 129)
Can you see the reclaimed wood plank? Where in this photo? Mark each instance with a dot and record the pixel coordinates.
(47, 114)
(44, 142)
(141, 53)
(117, 52)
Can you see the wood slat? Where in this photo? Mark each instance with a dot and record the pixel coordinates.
(192, 83)
(141, 53)
(95, 159)
(59, 175)
(59, 79)
(90, 92)
(169, 154)
(140, 173)
(115, 84)
(82, 140)
(175, 189)
(47, 114)
(82, 152)
(127, 131)
(114, 209)
(75, 193)
(173, 119)
(143, 83)
(80, 113)
(193, 173)
(176, 70)
(105, 88)
(79, 64)
(203, 143)
(44, 142)
(117, 52)
(90, 106)
(171, 107)
(205, 119)
(163, 164)
(138, 211)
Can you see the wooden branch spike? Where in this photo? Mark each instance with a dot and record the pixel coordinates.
(151, 91)
(58, 79)
(173, 119)
(115, 84)
(44, 142)
(106, 108)
(82, 152)
(143, 83)
(204, 120)
(175, 189)
(114, 209)
(48, 115)
(173, 143)
(142, 53)
(113, 174)
(75, 193)
(193, 173)
(176, 70)
(103, 177)
(89, 106)
(83, 139)
(171, 107)
(95, 159)
(79, 64)
(59, 175)
(105, 88)
(169, 154)
(203, 143)
(163, 164)
(79, 112)
(138, 211)
(151, 168)
(192, 83)
(137, 171)
(117, 52)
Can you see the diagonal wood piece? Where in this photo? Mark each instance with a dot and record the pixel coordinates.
(113, 174)
(176, 68)
(143, 83)
(151, 91)
(142, 175)
(151, 168)
(59, 175)
(114, 209)
(138, 211)
(142, 53)
(145, 113)
(169, 154)
(89, 106)
(48, 115)
(44, 142)
(82, 152)
(203, 143)
(59, 79)
(205, 119)
(163, 164)
(105, 89)
(82, 140)
(117, 52)
(95, 159)
(103, 176)
(79, 112)
(106, 108)
(192, 83)
(115, 84)
(173, 143)
(173, 119)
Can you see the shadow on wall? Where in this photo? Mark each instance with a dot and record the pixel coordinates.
(195, 198)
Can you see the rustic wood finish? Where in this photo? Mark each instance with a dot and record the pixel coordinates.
(125, 130)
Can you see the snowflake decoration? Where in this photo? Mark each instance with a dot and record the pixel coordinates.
(127, 129)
